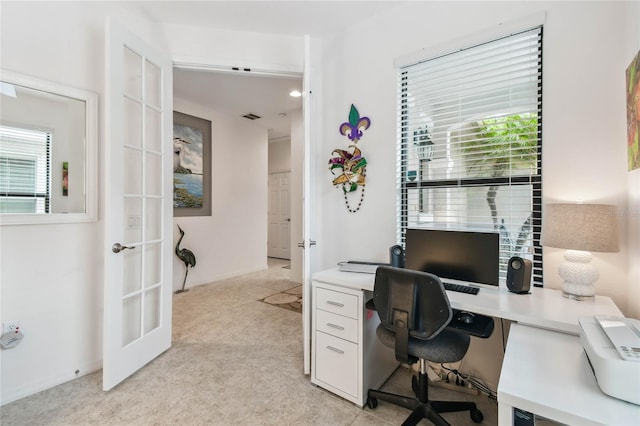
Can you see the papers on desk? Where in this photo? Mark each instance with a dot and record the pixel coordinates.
(356, 266)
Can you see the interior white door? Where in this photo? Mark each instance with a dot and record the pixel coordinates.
(138, 210)
(279, 216)
(308, 214)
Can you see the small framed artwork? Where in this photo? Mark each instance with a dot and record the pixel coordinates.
(633, 114)
(65, 178)
(191, 165)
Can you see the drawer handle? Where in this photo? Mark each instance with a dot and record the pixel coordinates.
(331, 348)
(331, 302)
(336, 326)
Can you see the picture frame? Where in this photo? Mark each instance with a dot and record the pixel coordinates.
(633, 113)
(191, 165)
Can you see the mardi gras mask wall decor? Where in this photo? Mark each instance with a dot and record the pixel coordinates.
(349, 165)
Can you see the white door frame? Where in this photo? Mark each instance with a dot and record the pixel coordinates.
(308, 224)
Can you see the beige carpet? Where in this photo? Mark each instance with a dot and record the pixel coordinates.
(234, 361)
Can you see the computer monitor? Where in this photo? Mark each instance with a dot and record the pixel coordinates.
(459, 255)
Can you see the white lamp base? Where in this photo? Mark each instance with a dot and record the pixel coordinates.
(579, 275)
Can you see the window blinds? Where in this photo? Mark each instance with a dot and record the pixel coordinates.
(24, 170)
(470, 147)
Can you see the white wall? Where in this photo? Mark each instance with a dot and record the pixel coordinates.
(584, 125)
(233, 240)
(213, 47)
(584, 159)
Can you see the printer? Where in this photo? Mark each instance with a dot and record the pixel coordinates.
(612, 345)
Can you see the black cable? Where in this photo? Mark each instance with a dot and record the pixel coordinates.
(475, 382)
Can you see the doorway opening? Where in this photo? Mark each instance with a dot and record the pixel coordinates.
(253, 100)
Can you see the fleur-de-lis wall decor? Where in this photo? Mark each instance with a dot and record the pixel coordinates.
(350, 163)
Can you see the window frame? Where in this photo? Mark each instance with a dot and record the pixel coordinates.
(404, 185)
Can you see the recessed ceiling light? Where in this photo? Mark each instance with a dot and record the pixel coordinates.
(295, 93)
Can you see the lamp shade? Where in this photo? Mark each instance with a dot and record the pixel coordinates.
(586, 227)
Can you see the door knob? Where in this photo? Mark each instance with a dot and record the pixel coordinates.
(117, 248)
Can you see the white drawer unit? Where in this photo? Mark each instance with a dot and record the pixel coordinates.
(347, 358)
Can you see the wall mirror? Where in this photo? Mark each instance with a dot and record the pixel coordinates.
(48, 152)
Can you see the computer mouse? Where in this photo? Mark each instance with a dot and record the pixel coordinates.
(466, 317)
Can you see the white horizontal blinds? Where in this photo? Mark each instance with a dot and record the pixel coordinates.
(469, 153)
(24, 170)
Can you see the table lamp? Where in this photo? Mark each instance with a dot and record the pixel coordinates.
(580, 228)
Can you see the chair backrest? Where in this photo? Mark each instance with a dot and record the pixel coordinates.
(412, 300)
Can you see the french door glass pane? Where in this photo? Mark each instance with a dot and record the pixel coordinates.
(132, 73)
(131, 272)
(131, 314)
(152, 85)
(152, 309)
(152, 257)
(152, 173)
(132, 220)
(153, 215)
(132, 163)
(153, 130)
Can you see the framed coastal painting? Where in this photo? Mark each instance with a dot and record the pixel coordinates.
(191, 165)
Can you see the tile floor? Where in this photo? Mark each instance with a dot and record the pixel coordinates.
(234, 361)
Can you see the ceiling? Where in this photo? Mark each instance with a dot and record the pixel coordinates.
(239, 94)
(316, 18)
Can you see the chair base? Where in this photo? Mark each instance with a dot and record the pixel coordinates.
(421, 407)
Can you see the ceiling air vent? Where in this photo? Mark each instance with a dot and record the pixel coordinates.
(251, 116)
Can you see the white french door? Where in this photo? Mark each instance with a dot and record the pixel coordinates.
(138, 210)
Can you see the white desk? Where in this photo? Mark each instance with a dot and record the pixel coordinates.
(547, 373)
(360, 362)
(543, 308)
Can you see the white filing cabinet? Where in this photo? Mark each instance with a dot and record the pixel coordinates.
(347, 357)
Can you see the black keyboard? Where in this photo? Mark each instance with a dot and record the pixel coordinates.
(460, 288)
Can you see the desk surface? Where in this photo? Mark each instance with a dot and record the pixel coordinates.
(547, 373)
(544, 308)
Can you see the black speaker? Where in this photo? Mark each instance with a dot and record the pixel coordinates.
(396, 256)
(519, 275)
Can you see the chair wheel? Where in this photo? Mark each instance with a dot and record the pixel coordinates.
(476, 416)
(372, 402)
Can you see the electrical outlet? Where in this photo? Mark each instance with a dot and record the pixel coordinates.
(10, 326)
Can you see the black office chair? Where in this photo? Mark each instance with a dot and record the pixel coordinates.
(414, 312)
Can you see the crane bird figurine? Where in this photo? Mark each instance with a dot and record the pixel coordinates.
(187, 257)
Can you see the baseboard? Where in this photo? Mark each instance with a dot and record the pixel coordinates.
(228, 275)
(8, 396)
